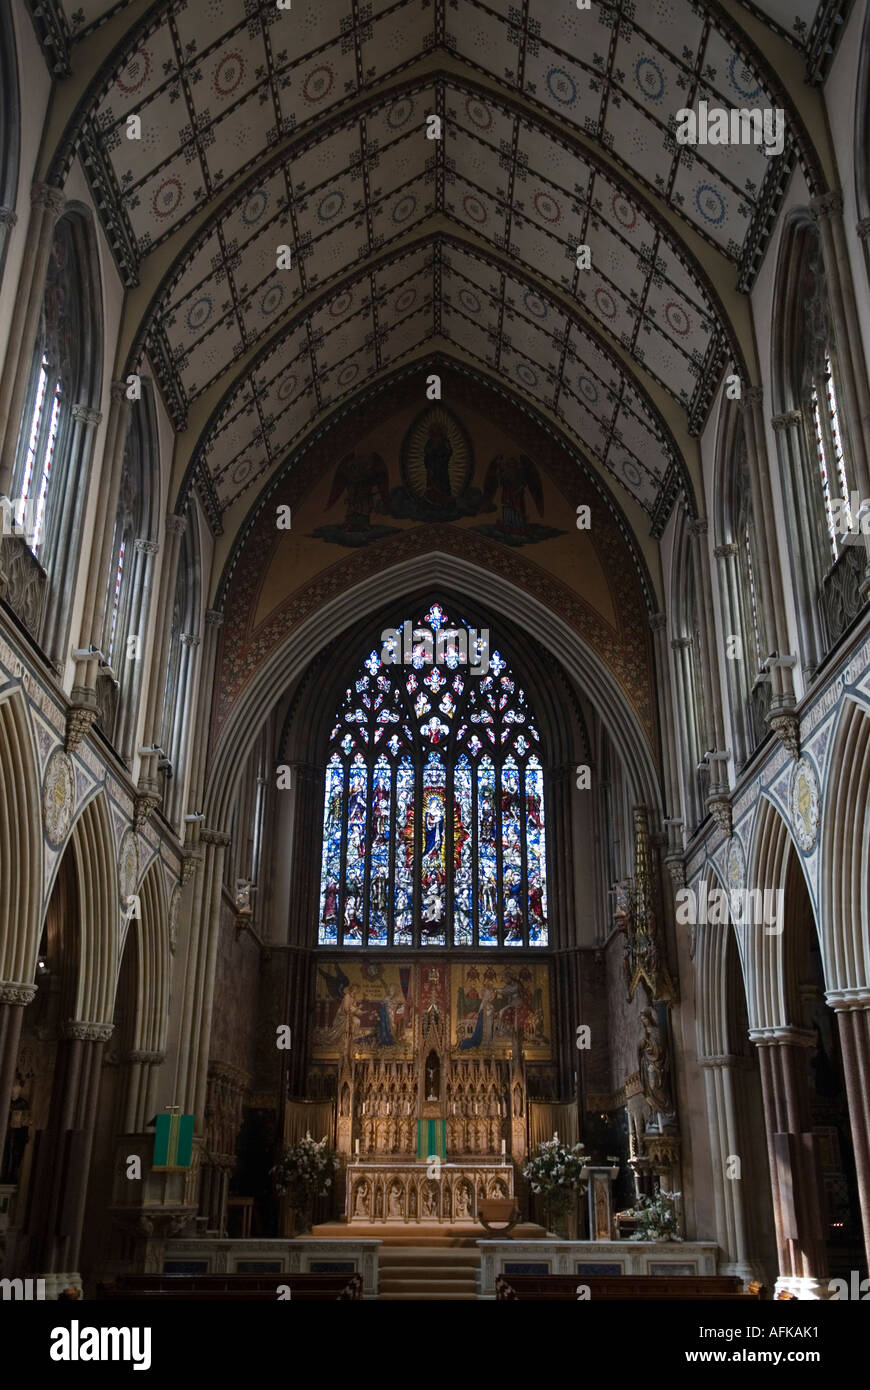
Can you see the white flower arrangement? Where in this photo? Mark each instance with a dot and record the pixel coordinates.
(656, 1216)
(556, 1171)
(306, 1171)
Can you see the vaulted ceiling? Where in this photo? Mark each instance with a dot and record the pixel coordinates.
(307, 127)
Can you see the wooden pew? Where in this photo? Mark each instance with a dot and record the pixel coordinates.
(228, 1287)
(563, 1287)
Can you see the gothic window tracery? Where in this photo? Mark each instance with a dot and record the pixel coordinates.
(433, 820)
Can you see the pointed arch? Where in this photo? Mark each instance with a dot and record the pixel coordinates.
(776, 876)
(155, 963)
(21, 842)
(98, 910)
(845, 854)
(579, 660)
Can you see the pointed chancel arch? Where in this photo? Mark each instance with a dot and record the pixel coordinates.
(579, 660)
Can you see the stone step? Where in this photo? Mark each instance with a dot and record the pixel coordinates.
(430, 1297)
(425, 1284)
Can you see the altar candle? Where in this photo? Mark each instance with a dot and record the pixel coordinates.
(503, 1148)
(356, 1147)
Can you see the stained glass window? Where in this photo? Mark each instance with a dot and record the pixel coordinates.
(433, 814)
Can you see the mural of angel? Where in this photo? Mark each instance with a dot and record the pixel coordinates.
(363, 481)
(513, 475)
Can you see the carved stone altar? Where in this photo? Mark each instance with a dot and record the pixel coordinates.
(404, 1192)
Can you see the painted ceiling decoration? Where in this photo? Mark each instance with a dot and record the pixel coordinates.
(441, 289)
(371, 181)
(216, 84)
(306, 127)
(810, 26)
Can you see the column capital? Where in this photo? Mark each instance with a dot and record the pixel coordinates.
(86, 414)
(658, 621)
(826, 205)
(783, 1035)
(699, 526)
(862, 228)
(786, 419)
(176, 525)
(215, 837)
(8, 217)
(853, 997)
(118, 391)
(189, 639)
(680, 643)
(44, 195)
(82, 1031)
(726, 550)
(145, 1058)
(146, 547)
(17, 992)
(214, 617)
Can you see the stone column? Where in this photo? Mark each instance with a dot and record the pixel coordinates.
(131, 682)
(717, 795)
(69, 514)
(139, 1103)
(727, 1143)
(199, 972)
(83, 694)
(852, 380)
(729, 591)
(673, 823)
(796, 1191)
(46, 207)
(149, 785)
(781, 718)
(59, 1181)
(684, 718)
(14, 998)
(853, 1018)
(214, 621)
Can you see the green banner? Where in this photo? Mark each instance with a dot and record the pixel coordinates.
(173, 1141)
(432, 1139)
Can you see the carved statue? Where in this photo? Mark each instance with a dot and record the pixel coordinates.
(361, 1207)
(394, 1205)
(652, 1059)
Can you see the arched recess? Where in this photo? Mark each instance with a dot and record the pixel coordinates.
(581, 663)
(691, 700)
(21, 843)
(735, 1118)
(129, 581)
(93, 845)
(140, 1016)
(845, 855)
(59, 411)
(738, 576)
(767, 947)
(10, 130)
(812, 428)
(806, 1099)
